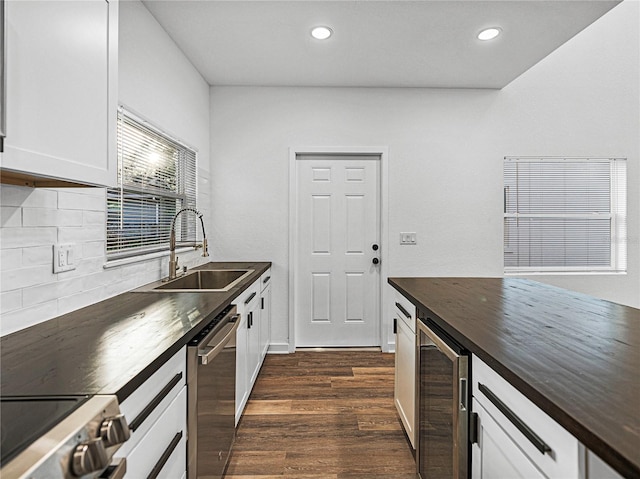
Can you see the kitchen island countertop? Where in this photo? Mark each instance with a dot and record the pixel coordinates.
(574, 356)
(113, 346)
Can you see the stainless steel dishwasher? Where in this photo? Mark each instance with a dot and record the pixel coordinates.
(211, 394)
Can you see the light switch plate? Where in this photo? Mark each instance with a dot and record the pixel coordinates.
(408, 239)
(64, 257)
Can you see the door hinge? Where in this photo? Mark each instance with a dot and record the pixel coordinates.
(395, 325)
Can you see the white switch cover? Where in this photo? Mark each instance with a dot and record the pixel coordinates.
(408, 238)
(63, 258)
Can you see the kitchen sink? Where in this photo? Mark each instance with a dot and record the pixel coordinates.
(201, 280)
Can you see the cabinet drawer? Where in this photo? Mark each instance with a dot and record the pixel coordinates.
(146, 404)
(526, 424)
(251, 294)
(497, 455)
(265, 279)
(163, 448)
(404, 310)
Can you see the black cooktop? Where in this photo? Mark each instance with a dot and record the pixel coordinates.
(25, 419)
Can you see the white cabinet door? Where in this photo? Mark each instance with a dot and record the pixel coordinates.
(405, 376)
(265, 314)
(496, 455)
(163, 449)
(255, 349)
(242, 380)
(247, 344)
(61, 70)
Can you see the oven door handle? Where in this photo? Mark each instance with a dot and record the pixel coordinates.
(219, 341)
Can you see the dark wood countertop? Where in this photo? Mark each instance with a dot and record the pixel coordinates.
(576, 357)
(113, 346)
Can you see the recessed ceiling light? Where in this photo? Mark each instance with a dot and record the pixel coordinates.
(489, 33)
(321, 33)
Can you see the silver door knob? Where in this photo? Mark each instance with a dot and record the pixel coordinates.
(114, 430)
(89, 457)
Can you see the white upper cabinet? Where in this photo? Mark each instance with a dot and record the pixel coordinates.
(61, 92)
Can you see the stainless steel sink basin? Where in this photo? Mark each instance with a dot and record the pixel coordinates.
(201, 280)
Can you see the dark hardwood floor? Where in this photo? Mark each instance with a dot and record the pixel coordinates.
(322, 415)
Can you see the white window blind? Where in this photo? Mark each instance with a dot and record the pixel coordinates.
(564, 214)
(156, 178)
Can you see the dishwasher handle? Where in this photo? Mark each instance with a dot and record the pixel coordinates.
(219, 341)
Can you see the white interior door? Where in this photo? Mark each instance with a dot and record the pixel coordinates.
(337, 283)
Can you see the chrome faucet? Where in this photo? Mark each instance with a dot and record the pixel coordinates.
(173, 259)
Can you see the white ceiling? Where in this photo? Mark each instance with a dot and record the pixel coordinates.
(376, 43)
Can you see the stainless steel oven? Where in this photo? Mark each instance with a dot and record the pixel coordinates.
(442, 403)
(56, 437)
(211, 394)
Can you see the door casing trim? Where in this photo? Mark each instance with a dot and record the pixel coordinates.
(385, 333)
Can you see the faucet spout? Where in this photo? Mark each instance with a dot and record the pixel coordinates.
(173, 260)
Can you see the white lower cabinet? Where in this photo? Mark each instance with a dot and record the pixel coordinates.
(252, 337)
(496, 455)
(405, 367)
(157, 415)
(265, 312)
(515, 437)
(162, 453)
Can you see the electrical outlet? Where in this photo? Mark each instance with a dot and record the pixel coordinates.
(63, 258)
(408, 239)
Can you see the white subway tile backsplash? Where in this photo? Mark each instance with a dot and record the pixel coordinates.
(33, 220)
(79, 300)
(89, 201)
(25, 237)
(37, 255)
(93, 249)
(10, 216)
(81, 234)
(25, 277)
(51, 217)
(25, 317)
(10, 259)
(28, 197)
(11, 300)
(94, 218)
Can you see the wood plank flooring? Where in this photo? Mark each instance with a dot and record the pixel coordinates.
(322, 415)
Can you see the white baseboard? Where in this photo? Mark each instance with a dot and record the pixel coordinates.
(278, 348)
(391, 347)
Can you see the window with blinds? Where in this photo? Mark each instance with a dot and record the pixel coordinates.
(156, 178)
(564, 214)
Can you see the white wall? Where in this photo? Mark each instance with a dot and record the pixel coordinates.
(445, 158)
(157, 82)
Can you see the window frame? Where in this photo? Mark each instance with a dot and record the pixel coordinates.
(186, 178)
(617, 216)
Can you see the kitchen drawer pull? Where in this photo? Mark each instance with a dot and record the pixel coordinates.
(165, 456)
(540, 445)
(266, 280)
(253, 295)
(116, 470)
(137, 422)
(403, 311)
